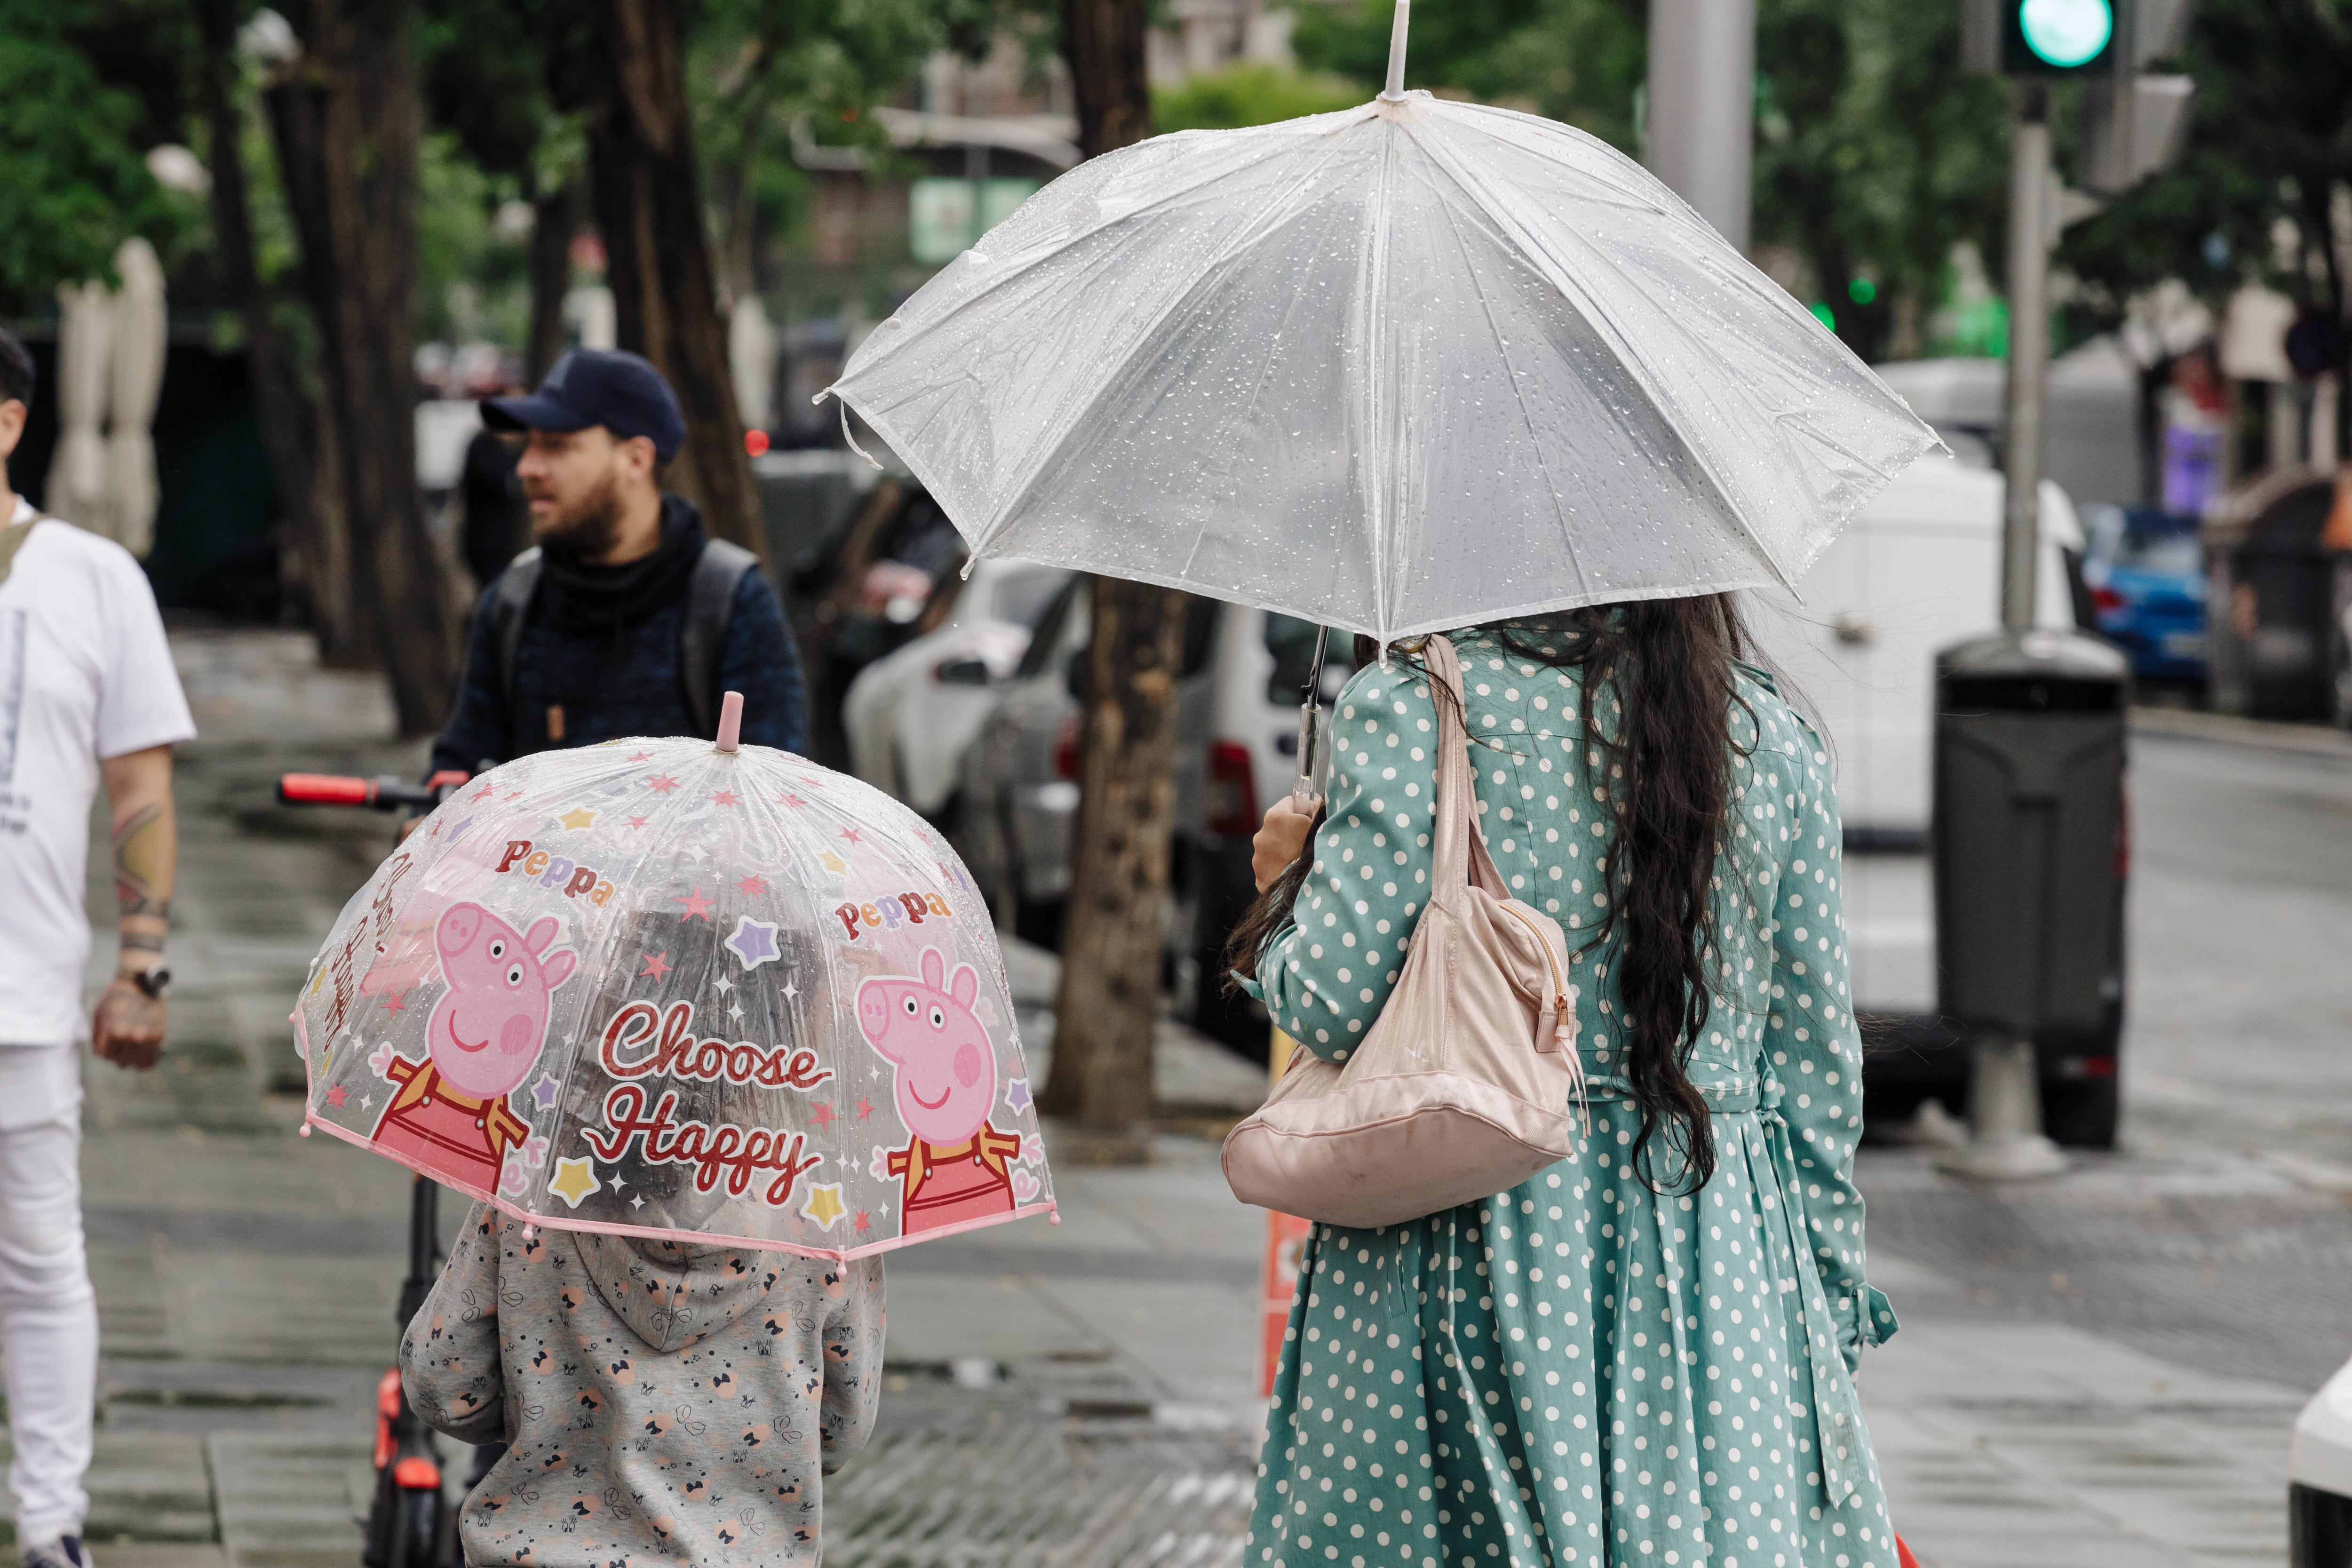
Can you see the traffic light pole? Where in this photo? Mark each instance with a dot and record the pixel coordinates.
(2006, 1141)
(2026, 437)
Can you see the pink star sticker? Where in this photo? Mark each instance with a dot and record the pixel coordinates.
(789, 798)
(851, 834)
(751, 887)
(486, 791)
(661, 783)
(725, 798)
(864, 1223)
(636, 822)
(657, 965)
(695, 904)
(641, 757)
(337, 1094)
(824, 1114)
(392, 1001)
(865, 1107)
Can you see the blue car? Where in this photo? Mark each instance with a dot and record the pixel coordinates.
(2145, 570)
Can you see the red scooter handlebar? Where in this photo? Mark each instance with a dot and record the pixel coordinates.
(375, 794)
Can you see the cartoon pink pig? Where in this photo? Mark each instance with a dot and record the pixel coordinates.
(954, 1166)
(451, 1116)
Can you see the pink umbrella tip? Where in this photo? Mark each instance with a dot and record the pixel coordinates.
(730, 721)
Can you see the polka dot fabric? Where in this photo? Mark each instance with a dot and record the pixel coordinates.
(1581, 1371)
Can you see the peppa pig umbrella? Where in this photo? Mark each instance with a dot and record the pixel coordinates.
(669, 988)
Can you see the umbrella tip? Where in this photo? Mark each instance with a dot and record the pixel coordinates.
(730, 721)
(1398, 24)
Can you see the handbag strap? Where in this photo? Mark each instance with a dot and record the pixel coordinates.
(1462, 857)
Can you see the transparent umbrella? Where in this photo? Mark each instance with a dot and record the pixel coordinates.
(663, 987)
(1395, 368)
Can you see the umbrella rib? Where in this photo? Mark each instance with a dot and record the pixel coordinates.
(1472, 186)
(1527, 418)
(1244, 235)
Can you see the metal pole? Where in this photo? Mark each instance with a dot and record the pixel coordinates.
(1699, 136)
(2026, 436)
(2005, 1140)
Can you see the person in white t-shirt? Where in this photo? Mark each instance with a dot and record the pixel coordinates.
(87, 693)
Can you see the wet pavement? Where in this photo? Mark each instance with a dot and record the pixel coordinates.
(2099, 1369)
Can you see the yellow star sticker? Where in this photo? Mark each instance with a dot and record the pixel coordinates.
(833, 863)
(575, 1179)
(578, 817)
(823, 1204)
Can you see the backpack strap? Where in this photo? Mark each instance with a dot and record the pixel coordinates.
(702, 641)
(509, 608)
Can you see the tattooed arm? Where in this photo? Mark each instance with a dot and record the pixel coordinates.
(128, 1026)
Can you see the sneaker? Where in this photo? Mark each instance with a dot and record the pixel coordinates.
(65, 1552)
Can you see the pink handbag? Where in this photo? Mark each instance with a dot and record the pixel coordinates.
(1468, 1083)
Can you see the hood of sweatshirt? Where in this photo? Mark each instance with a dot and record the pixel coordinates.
(670, 1294)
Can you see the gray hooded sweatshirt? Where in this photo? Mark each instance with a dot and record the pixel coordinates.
(664, 1404)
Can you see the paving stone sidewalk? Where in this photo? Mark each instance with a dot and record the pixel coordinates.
(1080, 1396)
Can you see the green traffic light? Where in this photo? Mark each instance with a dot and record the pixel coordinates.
(2066, 33)
(1861, 290)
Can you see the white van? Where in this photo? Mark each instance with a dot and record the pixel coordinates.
(1918, 570)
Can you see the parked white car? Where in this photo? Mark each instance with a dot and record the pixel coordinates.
(1236, 751)
(910, 716)
(1918, 570)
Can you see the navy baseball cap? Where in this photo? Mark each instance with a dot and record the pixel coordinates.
(621, 391)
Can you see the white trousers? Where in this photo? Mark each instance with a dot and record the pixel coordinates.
(49, 1312)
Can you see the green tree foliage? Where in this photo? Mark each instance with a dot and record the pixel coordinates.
(73, 182)
(1251, 94)
(2270, 140)
(1875, 155)
(1578, 61)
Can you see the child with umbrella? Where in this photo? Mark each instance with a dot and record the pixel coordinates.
(676, 1015)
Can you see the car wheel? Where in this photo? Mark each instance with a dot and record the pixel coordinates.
(2082, 1114)
(2318, 1528)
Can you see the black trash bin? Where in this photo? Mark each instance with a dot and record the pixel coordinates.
(2278, 604)
(2028, 781)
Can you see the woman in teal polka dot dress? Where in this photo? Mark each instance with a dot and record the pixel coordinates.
(1643, 1355)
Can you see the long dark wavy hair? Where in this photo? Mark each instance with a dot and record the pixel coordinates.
(1665, 664)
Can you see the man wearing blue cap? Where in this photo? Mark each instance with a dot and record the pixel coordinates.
(627, 619)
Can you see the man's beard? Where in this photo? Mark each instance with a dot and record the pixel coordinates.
(588, 529)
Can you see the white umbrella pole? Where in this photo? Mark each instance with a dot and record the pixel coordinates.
(1396, 50)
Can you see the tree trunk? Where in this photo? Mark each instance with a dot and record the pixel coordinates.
(649, 200)
(1109, 1000)
(346, 119)
(314, 543)
(1102, 42)
(555, 218)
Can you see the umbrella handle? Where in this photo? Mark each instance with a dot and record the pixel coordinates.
(1305, 794)
(1395, 89)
